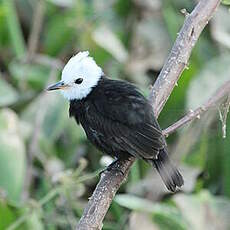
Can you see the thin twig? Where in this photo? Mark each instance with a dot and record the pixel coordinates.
(110, 181)
(224, 115)
(36, 28)
(191, 115)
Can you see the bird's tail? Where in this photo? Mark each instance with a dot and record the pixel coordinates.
(168, 172)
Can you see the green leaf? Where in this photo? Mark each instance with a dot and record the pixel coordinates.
(159, 211)
(108, 40)
(12, 156)
(198, 156)
(55, 117)
(225, 144)
(4, 38)
(135, 172)
(226, 2)
(7, 216)
(169, 222)
(57, 132)
(58, 33)
(32, 75)
(136, 203)
(215, 73)
(220, 28)
(34, 221)
(204, 211)
(54, 110)
(8, 95)
(15, 31)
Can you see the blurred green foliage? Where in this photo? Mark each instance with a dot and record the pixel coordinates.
(48, 169)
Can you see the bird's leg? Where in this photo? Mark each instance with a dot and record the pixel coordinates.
(113, 166)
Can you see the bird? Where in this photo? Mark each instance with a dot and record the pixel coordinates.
(115, 116)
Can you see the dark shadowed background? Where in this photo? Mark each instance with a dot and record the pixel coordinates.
(47, 167)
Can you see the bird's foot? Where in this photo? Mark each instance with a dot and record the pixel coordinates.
(113, 166)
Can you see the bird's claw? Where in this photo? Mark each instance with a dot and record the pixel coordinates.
(111, 167)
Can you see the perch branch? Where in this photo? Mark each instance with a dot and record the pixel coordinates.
(191, 115)
(178, 58)
(110, 181)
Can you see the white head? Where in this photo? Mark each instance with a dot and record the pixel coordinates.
(79, 76)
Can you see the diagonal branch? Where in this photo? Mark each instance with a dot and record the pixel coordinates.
(110, 181)
(178, 58)
(191, 115)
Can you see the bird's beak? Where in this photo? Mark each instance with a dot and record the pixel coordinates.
(58, 85)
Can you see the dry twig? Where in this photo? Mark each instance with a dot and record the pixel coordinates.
(36, 29)
(110, 181)
(224, 115)
(213, 101)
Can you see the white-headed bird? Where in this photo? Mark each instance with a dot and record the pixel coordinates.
(116, 117)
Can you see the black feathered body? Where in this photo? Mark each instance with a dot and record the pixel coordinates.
(120, 121)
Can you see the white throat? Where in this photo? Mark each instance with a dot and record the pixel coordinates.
(84, 67)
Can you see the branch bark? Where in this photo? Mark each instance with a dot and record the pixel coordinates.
(177, 60)
(191, 115)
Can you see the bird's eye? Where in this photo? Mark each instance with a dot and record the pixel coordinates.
(78, 81)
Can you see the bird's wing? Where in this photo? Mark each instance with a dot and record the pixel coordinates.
(127, 120)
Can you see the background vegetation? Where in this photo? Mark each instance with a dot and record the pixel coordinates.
(48, 169)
